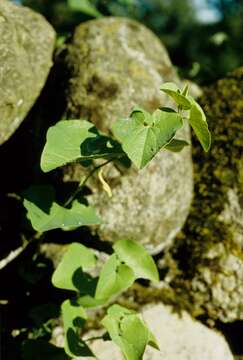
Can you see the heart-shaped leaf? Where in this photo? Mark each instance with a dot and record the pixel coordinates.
(45, 214)
(72, 140)
(74, 317)
(77, 259)
(114, 278)
(198, 122)
(136, 257)
(174, 92)
(142, 136)
(128, 330)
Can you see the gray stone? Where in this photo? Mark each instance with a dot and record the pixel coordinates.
(179, 338)
(115, 64)
(26, 47)
(212, 270)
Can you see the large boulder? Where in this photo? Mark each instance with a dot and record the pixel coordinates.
(26, 47)
(211, 247)
(115, 64)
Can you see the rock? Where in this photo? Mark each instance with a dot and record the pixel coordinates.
(179, 338)
(26, 47)
(211, 246)
(116, 63)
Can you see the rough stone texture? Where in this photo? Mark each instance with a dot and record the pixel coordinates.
(179, 338)
(211, 252)
(116, 63)
(26, 47)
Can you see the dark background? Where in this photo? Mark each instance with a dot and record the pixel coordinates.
(204, 37)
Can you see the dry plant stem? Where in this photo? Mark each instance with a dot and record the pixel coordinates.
(84, 181)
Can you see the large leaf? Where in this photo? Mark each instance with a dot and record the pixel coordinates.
(199, 124)
(128, 331)
(136, 257)
(142, 136)
(45, 214)
(74, 317)
(77, 259)
(114, 278)
(173, 91)
(72, 140)
(84, 6)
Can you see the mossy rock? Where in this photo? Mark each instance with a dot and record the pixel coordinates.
(115, 64)
(26, 46)
(210, 255)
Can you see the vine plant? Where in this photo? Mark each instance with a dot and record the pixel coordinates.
(137, 138)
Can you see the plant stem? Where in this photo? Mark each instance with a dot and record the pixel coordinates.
(84, 181)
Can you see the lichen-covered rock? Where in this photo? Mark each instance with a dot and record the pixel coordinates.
(211, 251)
(26, 47)
(179, 338)
(116, 63)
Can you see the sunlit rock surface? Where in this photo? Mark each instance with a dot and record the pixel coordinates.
(211, 253)
(115, 64)
(179, 338)
(26, 47)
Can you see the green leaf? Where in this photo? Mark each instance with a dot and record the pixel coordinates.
(72, 140)
(143, 135)
(198, 122)
(114, 278)
(167, 109)
(142, 115)
(88, 301)
(136, 257)
(118, 311)
(78, 258)
(45, 214)
(84, 6)
(152, 341)
(74, 317)
(176, 145)
(173, 91)
(128, 331)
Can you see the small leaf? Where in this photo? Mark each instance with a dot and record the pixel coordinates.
(88, 301)
(176, 145)
(198, 122)
(78, 258)
(136, 257)
(136, 334)
(72, 140)
(84, 6)
(128, 331)
(167, 109)
(118, 311)
(45, 214)
(74, 317)
(114, 278)
(152, 341)
(173, 91)
(142, 136)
